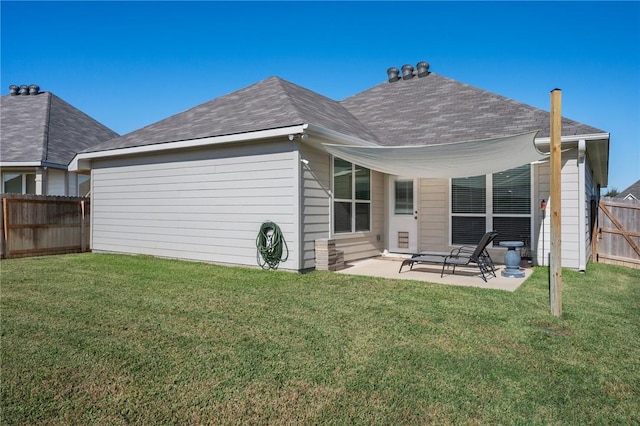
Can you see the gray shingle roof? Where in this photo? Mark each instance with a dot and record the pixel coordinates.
(270, 104)
(632, 190)
(43, 127)
(435, 109)
(428, 110)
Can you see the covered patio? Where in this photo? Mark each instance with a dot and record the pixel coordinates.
(387, 267)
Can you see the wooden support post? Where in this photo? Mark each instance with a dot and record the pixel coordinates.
(555, 273)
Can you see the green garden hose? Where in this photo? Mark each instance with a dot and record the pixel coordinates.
(271, 245)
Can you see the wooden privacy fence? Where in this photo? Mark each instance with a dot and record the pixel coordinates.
(36, 225)
(618, 232)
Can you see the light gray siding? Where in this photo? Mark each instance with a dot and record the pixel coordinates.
(57, 182)
(316, 201)
(72, 184)
(203, 205)
(571, 232)
(434, 214)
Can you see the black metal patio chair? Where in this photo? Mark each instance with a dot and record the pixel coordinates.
(461, 256)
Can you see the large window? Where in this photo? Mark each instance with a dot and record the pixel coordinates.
(19, 183)
(500, 202)
(351, 197)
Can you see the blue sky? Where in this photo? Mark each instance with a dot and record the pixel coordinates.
(129, 64)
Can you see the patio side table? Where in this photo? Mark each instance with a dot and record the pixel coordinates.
(512, 259)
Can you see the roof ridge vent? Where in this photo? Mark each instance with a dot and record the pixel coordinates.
(407, 72)
(393, 74)
(24, 90)
(423, 68)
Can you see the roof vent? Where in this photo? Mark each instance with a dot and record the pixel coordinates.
(13, 90)
(423, 69)
(393, 74)
(34, 89)
(24, 90)
(407, 72)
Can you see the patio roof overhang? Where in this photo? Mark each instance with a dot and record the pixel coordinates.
(460, 159)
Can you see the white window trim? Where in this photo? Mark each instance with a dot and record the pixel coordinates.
(489, 215)
(353, 202)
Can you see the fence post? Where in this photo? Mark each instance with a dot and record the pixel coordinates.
(5, 231)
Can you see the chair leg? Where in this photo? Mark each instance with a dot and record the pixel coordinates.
(444, 265)
(482, 272)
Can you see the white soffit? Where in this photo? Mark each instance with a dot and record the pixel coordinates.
(460, 159)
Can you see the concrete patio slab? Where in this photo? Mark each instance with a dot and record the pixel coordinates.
(464, 277)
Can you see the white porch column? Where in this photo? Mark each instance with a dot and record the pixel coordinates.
(41, 181)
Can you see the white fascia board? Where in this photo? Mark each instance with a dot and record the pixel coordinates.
(542, 142)
(32, 164)
(20, 163)
(337, 137)
(82, 161)
(597, 143)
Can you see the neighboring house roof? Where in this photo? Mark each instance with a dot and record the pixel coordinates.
(270, 104)
(632, 192)
(44, 128)
(435, 110)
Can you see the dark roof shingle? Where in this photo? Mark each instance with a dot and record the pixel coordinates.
(418, 111)
(633, 190)
(435, 109)
(270, 104)
(45, 128)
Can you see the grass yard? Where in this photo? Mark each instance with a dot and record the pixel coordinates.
(109, 339)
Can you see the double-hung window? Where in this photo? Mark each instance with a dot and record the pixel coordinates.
(351, 197)
(500, 202)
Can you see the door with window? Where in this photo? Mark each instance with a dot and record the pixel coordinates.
(403, 215)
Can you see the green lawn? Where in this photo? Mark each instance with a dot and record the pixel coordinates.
(109, 339)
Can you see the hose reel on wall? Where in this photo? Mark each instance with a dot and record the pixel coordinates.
(271, 246)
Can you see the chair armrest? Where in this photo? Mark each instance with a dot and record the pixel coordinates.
(462, 250)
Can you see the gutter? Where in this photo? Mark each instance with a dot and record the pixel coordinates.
(542, 142)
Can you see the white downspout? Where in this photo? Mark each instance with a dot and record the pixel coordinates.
(582, 223)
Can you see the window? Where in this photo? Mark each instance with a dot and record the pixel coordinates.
(403, 197)
(468, 209)
(351, 197)
(19, 183)
(84, 185)
(500, 202)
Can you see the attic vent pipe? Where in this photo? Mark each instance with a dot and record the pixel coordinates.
(34, 89)
(393, 74)
(13, 90)
(407, 72)
(24, 90)
(423, 69)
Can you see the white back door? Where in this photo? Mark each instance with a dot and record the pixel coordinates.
(403, 215)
